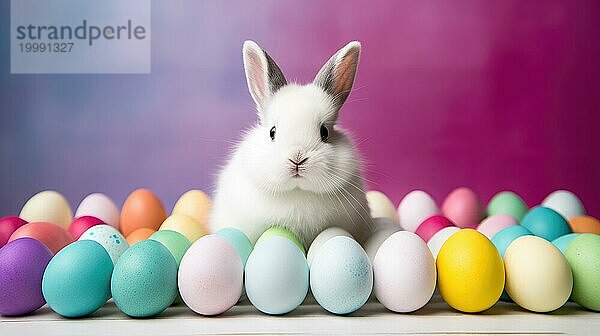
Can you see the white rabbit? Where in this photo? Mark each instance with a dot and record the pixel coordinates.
(295, 167)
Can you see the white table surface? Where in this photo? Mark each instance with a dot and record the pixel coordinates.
(435, 318)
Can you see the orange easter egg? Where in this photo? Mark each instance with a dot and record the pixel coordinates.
(139, 235)
(142, 209)
(51, 235)
(585, 224)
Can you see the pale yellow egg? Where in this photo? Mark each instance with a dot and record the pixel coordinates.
(185, 225)
(47, 206)
(195, 204)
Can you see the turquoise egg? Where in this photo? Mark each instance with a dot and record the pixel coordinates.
(506, 236)
(341, 276)
(545, 223)
(563, 242)
(77, 279)
(239, 241)
(144, 281)
(276, 276)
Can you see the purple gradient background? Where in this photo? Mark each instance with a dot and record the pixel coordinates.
(493, 95)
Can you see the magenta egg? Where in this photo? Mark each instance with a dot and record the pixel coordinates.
(431, 226)
(8, 225)
(463, 207)
(22, 265)
(81, 224)
(494, 224)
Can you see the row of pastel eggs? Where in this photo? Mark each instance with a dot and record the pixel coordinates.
(548, 222)
(141, 215)
(309, 253)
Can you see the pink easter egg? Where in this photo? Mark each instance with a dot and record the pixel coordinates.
(493, 224)
(431, 226)
(463, 207)
(211, 276)
(80, 224)
(51, 235)
(8, 225)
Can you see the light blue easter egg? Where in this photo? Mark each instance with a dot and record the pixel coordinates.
(506, 236)
(545, 223)
(239, 241)
(341, 276)
(563, 242)
(77, 279)
(276, 276)
(110, 238)
(144, 281)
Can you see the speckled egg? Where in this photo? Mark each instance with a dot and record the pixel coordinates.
(414, 208)
(463, 207)
(494, 224)
(144, 281)
(381, 206)
(47, 206)
(321, 238)
(341, 276)
(276, 276)
(583, 255)
(211, 276)
(538, 277)
(77, 280)
(100, 206)
(239, 240)
(566, 203)
(545, 223)
(113, 242)
(51, 235)
(405, 273)
(22, 264)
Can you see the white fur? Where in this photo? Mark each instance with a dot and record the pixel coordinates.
(256, 188)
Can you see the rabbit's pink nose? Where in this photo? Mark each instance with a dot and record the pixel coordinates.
(298, 163)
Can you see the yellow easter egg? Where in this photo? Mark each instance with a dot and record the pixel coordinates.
(47, 206)
(185, 225)
(195, 204)
(470, 272)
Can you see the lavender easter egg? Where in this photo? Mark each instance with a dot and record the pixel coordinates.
(22, 264)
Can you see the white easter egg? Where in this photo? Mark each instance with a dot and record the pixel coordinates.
(438, 239)
(404, 272)
(566, 203)
(415, 208)
(381, 206)
(100, 206)
(383, 229)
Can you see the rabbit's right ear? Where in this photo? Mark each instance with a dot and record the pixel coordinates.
(262, 73)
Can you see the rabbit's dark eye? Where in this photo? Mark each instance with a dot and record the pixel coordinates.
(272, 133)
(324, 133)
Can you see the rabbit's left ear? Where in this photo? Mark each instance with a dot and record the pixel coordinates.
(262, 73)
(336, 77)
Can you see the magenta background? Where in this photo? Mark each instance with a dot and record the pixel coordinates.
(493, 95)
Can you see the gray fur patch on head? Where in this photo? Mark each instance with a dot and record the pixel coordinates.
(275, 76)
